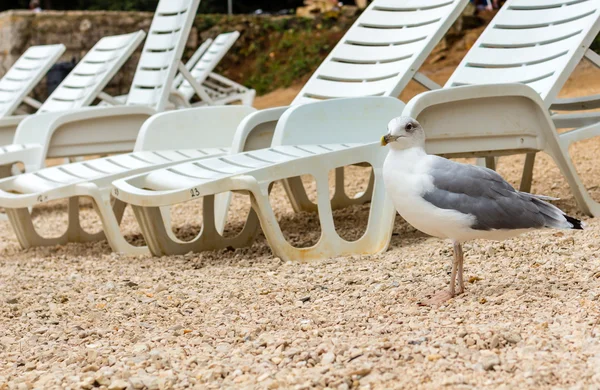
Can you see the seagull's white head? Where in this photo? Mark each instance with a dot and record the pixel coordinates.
(403, 133)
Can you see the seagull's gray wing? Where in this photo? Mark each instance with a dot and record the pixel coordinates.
(493, 202)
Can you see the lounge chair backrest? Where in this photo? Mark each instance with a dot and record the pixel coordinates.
(538, 43)
(209, 60)
(93, 72)
(383, 50)
(25, 74)
(162, 52)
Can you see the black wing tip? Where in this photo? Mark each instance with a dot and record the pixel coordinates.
(577, 224)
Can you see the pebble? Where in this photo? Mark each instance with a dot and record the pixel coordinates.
(512, 338)
(263, 377)
(87, 383)
(362, 371)
(488, 361)
(209, 326)
(328, 358)
(276, 360)
(118, 384)
(151, 382)
(101, 379)
(139, 348)
(90, 368)
(136, 382)
(495, 341)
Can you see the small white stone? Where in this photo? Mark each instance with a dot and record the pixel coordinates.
(488, 361)
(118, 384)
(328, 358)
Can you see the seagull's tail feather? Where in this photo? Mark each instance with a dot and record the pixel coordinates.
(543, 197)
(576, 223)
(554, 217)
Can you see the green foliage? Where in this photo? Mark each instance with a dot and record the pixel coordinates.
(287, 53)
(123, 5)
(206, 6)
(596, 45)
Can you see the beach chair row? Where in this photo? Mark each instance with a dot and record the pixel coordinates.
(500, 100)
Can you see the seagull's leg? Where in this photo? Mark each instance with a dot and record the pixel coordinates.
(445, 295)
(453, 273)
(460, 257)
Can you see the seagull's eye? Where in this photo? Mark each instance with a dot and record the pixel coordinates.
(409, 127)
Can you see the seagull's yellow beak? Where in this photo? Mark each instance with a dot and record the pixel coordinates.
(384, 140)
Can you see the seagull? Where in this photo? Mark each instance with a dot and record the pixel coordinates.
(458, 202)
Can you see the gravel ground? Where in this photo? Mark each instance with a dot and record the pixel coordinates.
(78, 316)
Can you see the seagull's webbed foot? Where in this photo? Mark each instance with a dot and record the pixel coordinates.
(438, 298)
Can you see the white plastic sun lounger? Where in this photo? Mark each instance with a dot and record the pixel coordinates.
(460, 120)
(310, 139)
(539, 51)
(175, 97)
(213, 89)
(24, 75)
(378, 55)
(106, 130)
(82, 85)
(200, 66)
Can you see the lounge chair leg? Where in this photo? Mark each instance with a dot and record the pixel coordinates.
(375, 239)
(300, 201)
(110, 215)
(75, 232)
(271, 228)
(341, 199)
(562, 159)
(297, 195)
(527, 177)
(161, 241)
(210, 234)
(328, 233)
(222, 203)
(118, 209)
(28, 237)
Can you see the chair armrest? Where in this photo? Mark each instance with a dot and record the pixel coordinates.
(334, 121)
(8, 128)
(200, 127)
(92, 130)
(482, 120)
(256, 130)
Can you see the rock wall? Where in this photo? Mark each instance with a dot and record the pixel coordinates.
(272, 51)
